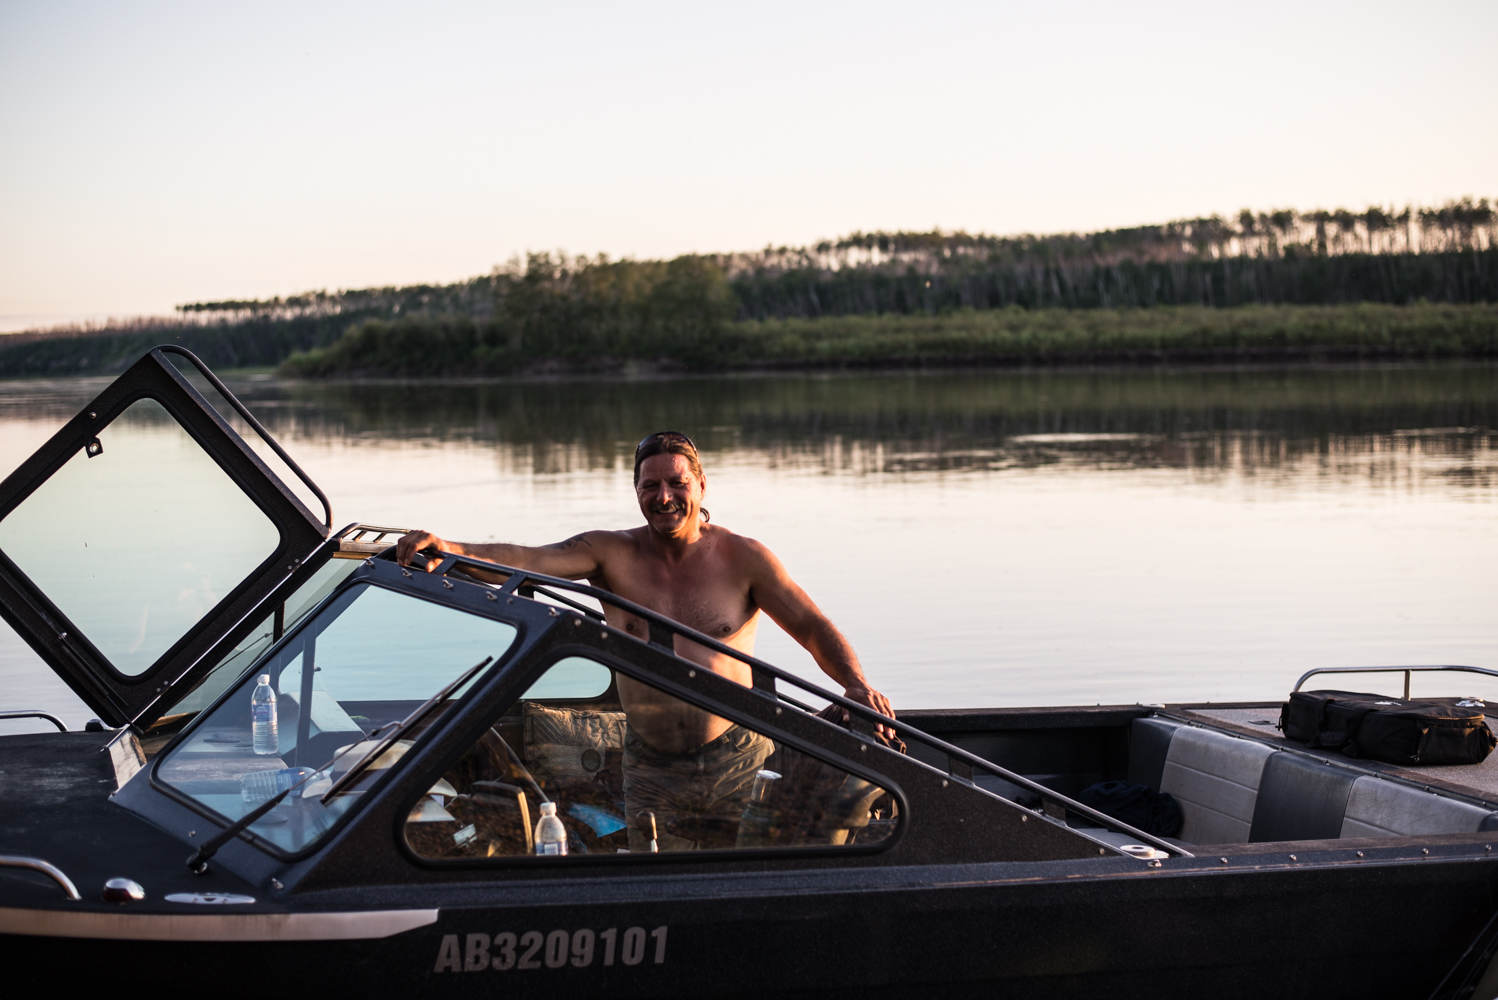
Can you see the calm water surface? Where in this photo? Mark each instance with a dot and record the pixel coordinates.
(984, 538)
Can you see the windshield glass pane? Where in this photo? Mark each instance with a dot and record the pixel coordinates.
(579, 743)
(371, 657)
(306, 597)
(137, 543)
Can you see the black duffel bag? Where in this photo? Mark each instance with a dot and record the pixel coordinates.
(1430, 731)
(1140, 806)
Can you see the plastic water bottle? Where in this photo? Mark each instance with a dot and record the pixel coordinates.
(551, 835)
(263, 717)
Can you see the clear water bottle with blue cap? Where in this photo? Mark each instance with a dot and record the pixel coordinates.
(263, 718)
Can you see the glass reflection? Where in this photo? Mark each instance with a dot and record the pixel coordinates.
(136, 544)
(370, 658)
(569, 743)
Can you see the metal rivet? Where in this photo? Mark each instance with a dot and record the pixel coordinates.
(777, 712)
(603, 633)
(489, 596)
(1022, 819)
(276, 884)
(863, 746)
(554, 612)
(1102, 850)
(1487, 847)
(1360, 854)
(691, 673)
(509, 600)
(1425, 851)
(1294, 858)
(577, 621)
(192, 833)
(92, 415)
(406, 573)
(448, 584)
(1223, 860)
(369, 562)
(944, 785)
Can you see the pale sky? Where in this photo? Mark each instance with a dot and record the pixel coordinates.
(159, 153)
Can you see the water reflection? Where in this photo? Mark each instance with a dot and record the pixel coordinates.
(879, 423)
(1110, 535)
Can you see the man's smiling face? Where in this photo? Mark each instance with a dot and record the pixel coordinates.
(670, 494)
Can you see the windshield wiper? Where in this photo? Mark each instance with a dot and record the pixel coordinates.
(404, 726)
(198, 861)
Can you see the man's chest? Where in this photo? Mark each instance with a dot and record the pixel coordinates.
(709, 598)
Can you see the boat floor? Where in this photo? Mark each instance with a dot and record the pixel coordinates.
(1478, 781)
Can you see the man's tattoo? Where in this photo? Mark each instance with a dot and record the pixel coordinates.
(571, 543)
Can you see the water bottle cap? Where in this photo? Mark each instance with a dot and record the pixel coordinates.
(548, 809)
(265, 678)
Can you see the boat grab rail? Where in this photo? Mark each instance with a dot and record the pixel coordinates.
(256, 426)
(36, 714)
(1407, 671)
(863, 720)
(45, 867)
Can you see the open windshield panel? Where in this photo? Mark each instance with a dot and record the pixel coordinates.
(368, 658)
(141, 535)
(633, 770)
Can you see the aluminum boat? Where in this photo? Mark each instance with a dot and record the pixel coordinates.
(166, 557)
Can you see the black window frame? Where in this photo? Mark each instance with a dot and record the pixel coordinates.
(395, 773)
(520, 682)
(116, 697)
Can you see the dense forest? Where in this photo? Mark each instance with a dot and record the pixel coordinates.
(711, 310)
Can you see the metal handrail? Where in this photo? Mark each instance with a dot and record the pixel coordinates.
(1392, 670)
(249, 418)
(46, 868)
(36, 714)
(765, 675)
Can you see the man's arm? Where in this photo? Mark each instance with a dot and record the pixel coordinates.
(578, 557)
(788, 606)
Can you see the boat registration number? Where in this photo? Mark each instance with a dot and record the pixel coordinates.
(557, 949)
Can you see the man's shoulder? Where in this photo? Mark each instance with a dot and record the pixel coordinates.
(740, 547)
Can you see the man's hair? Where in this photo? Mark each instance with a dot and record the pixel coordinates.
(669, 443)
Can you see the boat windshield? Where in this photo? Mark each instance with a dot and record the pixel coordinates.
(366, 660)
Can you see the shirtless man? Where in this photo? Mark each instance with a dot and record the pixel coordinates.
(678, 758)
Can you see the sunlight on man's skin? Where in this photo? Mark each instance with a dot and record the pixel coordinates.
(700, 574)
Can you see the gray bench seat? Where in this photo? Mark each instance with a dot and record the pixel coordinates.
(1233, 790)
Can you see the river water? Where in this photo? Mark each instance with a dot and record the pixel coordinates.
(984, 538)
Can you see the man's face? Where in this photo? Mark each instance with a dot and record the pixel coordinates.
(670, 494)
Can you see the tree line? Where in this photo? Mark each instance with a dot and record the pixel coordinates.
(577, 311)
(1442, 254)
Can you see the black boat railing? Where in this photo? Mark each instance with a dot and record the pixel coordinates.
(1407, 671)
(961, 765)
(256, 426)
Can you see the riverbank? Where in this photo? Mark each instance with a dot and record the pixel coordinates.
(442, 346)
(447, 345)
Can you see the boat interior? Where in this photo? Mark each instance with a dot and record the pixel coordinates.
(1239, 783)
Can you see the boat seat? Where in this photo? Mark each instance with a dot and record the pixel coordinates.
(1377, 808)
(1233, 790)
(1215, 780)
(1300, 798)
(1149, 744)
